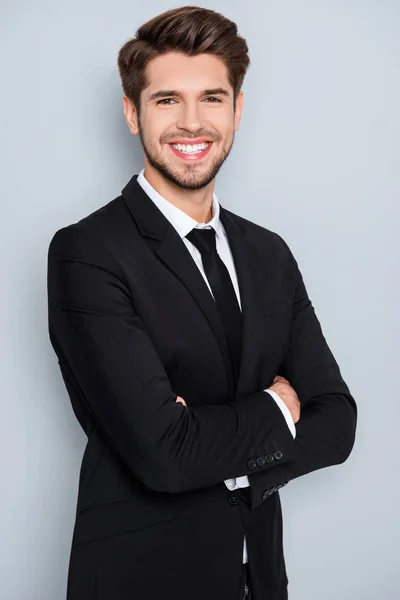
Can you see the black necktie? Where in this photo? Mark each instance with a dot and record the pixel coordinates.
(222, 289)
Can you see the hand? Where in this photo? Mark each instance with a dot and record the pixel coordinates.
(285, 391)
(179, 399)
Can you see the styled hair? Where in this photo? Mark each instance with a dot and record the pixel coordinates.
(191, 30)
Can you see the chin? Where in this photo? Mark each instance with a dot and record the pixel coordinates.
(196, 180)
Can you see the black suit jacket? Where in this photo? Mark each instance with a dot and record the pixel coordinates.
(133, 325)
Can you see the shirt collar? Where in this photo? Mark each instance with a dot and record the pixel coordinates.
(182, 222)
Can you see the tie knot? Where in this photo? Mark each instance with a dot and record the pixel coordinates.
(203, 239)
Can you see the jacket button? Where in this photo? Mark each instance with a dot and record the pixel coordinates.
(269, 458)
(233, 499)
(260, 461)
(252, 464)
(278, 454)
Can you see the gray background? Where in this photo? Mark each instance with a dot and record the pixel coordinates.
(316, 159)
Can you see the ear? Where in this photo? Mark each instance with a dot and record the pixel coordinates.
(130, 115)
(238, 110)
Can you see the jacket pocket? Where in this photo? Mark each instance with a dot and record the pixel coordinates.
(119, 516)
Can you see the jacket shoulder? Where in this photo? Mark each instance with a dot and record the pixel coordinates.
(263, 236)
(105, 225)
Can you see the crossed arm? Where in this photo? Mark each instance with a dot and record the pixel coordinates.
(287, 394)
(288, 402)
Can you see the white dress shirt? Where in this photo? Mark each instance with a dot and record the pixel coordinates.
(183, 224)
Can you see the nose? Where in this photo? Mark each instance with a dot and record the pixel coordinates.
(190, 117)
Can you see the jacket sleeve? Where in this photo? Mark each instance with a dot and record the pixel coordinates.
(325, 432)
(99, 337)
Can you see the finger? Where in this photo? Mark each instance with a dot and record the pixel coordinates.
(280, 378)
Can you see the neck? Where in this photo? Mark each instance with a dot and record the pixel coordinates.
(195, 203)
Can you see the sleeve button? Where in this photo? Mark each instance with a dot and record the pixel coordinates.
(233, 499)
(252, 464)
(269, 458)
(278, 454)
(260, 461)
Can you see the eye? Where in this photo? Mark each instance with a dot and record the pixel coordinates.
(166, 100)
(213, 98)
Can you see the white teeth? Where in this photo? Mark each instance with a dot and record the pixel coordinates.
(191, 149)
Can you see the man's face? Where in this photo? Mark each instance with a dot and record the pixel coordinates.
(187, 118)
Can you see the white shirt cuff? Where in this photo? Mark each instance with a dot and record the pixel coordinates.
(285, 411)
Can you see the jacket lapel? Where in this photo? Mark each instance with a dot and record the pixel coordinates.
(167, 245)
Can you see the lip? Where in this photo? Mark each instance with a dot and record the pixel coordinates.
(197, 156)
(186, 141)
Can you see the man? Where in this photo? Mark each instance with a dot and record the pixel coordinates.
(188, 345)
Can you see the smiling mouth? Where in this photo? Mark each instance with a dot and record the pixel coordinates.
(191, 151)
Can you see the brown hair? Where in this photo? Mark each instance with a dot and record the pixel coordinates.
(191, 30)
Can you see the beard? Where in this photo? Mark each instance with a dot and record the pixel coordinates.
(191, 178)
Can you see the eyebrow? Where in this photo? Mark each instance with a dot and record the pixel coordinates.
(163, 93)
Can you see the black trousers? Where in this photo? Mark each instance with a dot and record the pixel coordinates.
(245, 583)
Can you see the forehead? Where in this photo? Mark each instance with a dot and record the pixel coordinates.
(178, 71)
